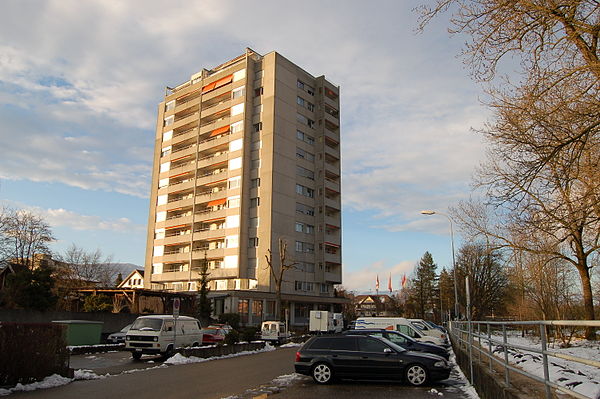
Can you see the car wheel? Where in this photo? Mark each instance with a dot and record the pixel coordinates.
(195, 344)
(136, 355)
(416, 375)
(168, 353)
(322, 373)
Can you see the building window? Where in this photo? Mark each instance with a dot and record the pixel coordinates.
(233, 203)
(253, 222)
(305, 247)
(306, 191)
(299, 227)
(236, 127)
(310, 90)
(302, 154)
(243, 305)
(307, 267)
(169, 120)
(300, 84)
(300, 101)
(305, 209)
(257, 308)
(305, 137)
(254, 202)
(237, 93)
(170, 105)
(252, 242)
(259, 74)
(258, 92)
(234, 183)
(257, 127)
(254, 183)
(309, 174)
(302, 119)
(310, 106)
(303, 286)
(305, 228)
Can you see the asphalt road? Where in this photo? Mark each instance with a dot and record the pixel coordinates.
(243, 377)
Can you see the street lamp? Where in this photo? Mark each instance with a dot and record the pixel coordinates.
(429, 213)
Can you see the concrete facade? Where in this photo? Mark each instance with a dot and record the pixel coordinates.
(247, 154)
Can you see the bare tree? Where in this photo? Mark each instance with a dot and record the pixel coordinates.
(488, 280)
(23, 235)
(278, 271)
(80, 267)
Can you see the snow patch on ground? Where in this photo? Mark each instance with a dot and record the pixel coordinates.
(578, 377)
(57, 380)
(291, 345)
(180, 359)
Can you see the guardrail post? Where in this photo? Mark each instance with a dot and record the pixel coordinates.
(489, 334)
(505, 341)
(545, 361)
(479, 340)
(470, 338)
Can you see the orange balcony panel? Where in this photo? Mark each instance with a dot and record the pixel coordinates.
(218, 131)
(217, 202)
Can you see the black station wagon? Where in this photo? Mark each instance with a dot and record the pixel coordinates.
(367, 358)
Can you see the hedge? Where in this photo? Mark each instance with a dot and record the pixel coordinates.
(32, 351)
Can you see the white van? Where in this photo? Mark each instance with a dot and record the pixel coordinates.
(426, 329)
(274, 331)
(161, 334)
(399, 324)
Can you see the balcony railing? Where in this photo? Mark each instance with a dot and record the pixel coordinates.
(182, 148)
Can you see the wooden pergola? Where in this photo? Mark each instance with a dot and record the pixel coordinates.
(139, 300)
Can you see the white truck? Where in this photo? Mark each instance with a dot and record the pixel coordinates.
(274, 331)
(322, 321)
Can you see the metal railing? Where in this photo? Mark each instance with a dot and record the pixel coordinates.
(478, 344)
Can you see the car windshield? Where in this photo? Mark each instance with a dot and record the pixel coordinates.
(210, 331)
(147, 324)
(126, 328)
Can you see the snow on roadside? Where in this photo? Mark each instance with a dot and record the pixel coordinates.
(458, 380)
(180, 359)
(291, 345)
(578, 377)
(56, 380)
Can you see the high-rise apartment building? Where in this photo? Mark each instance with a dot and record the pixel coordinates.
(247, 154)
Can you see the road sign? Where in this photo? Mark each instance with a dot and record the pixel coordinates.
(176, 305)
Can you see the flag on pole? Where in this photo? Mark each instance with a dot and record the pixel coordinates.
(390, 283)
(377, 283)
(404, 280)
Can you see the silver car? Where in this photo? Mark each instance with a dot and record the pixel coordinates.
(119, 337)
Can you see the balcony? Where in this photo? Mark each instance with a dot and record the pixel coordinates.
(178, 256)
(180, 202)
(174, 239)
(210, 253)
(208, 234)
(184, 134)
(217, 157)
(187, 119)
(332, 258)
(183, 151)
(216, 107)
(179, 186)
(332, 202)
(335, 278)
(210, 195)
(212, 177)
(187, 102)
(208, 215)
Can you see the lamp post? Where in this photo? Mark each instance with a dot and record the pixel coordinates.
(429, 212)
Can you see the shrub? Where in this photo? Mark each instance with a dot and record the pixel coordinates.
(97, 303)
(249, 334)
(233, 337)
(233, 319)
(31, 352)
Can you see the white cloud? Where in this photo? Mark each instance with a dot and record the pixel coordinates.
(64, 218)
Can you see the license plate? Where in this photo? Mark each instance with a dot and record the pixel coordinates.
(138, 350)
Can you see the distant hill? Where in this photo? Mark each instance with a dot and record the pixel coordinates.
(126, 268)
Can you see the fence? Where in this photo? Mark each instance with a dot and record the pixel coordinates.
(474, 336)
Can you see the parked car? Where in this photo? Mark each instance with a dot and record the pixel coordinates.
(365, 357)
(401, 324)
(162, 334)
(226, 327)
(403, 340)
(211, 335)
(119, 336)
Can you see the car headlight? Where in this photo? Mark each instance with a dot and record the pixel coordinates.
(155, 339)
(127, 337)
(441, 363)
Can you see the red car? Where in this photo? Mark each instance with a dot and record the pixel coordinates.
(212, 336)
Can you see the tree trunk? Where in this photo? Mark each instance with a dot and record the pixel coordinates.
(588, 299)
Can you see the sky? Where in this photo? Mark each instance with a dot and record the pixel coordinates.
(80, 82)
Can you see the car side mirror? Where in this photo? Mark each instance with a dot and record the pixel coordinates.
(387, 351)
